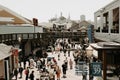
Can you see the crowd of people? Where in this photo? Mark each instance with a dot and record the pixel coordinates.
(50, 67)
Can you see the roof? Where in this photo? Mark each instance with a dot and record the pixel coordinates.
(105, 45)
(84, 23)
(74, 26)
(7, 13)
(82, 28)
(81, 25)
(5, 51)
(107, 5)
(62, 18)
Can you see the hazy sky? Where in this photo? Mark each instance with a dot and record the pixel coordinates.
(47, 9)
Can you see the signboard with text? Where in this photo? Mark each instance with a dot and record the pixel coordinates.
(96, 69)
(81, 68)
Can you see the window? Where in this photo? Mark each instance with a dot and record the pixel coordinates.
(115, 28)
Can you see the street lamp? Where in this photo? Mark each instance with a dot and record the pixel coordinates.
(19, 40)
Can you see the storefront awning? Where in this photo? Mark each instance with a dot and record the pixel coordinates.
(105, 45)
(5, 51)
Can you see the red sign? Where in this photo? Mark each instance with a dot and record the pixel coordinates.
(15, 52)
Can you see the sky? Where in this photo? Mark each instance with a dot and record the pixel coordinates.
(44, 10)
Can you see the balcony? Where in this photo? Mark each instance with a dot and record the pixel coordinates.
(104, 30)
(98, 30)
(114, 30)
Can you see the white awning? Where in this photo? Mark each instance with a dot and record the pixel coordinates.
(5, 51)
(4, 55)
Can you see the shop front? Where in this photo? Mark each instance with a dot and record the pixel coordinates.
(5, 62)
(108, 53)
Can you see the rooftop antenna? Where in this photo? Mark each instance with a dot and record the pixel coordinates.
(69, 16)
(61, 14)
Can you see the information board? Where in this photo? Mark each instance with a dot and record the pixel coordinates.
(96, 69)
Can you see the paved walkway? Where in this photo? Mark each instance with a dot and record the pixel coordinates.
(70, 73)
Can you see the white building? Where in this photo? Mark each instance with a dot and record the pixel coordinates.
(61, 23)
(82, 18)
(107, 22)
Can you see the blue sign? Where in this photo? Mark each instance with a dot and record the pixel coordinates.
(96, 69)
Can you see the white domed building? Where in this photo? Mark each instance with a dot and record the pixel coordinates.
(61, 23)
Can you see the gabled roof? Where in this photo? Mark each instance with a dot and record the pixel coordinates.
(74, 26)
(79, 26)
(62, 18)
(16, 18)
(82, 28)
(84, 23)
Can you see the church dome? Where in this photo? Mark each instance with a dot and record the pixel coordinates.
(62, 18)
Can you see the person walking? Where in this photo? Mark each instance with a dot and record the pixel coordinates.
(64, 50)
(66, 62)
(15, 73)
(27, 73)
(71, 64)
(58, 56)
(58, 72)
(20, 71)
(31, 63)
(38, 64)
(32, 75)
(68, 51)
(64, 69)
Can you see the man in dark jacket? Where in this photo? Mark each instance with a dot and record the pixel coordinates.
(64, 69)
(32, 75)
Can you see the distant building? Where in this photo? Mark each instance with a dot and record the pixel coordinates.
(84, 27)
(78, 26)
(82, 18)
(61, 23)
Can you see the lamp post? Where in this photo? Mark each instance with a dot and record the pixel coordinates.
(19, 40)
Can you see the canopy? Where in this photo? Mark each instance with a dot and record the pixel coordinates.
(5, 51)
